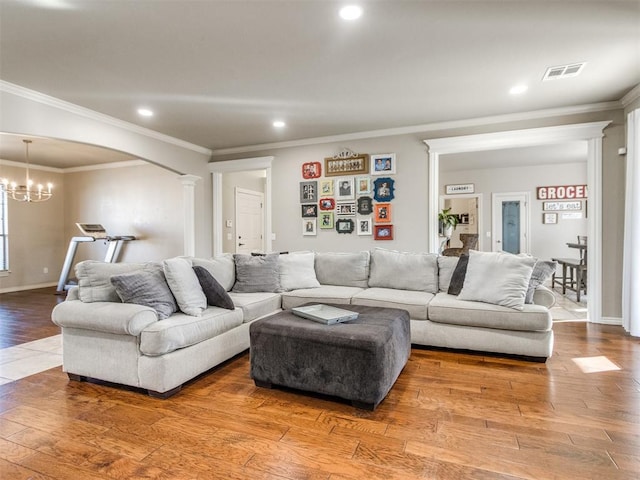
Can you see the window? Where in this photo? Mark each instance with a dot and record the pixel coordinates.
(4, 244)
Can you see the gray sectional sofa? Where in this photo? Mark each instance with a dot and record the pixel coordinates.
(133, 344)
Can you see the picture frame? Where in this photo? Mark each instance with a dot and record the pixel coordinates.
(308, 226)
(344, 225)
(326, 188)
(364, 226)
(384, 189)
(383, 232)
(326, 220)
(344, 189)
(327, 204)
(346, 209)
(549, 218)
(308, 192)
(351, 165)
(309, 210)
(311, 170)
(562, 206)
(383, 164)
(365, 205)
(382, 212)
(363, 185)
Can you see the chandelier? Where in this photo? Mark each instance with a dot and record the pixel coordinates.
(27, 192)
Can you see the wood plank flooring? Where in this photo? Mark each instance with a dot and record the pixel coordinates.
(449, 416)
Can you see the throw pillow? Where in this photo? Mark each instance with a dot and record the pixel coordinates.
(446, 266)
(185, 286)
(297, 271)
(256, 273)
(497, 277)
(221, 267)
(94, 279)
(404, 270)
(146, 287)
(541, 272)
(215, 293)
(458, 276)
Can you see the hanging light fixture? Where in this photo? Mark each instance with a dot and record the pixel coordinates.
(29, 192)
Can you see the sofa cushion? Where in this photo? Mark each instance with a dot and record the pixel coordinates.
(449, 309)
(184, 285)
(222, 267)
(148, 288)
(404, 270)
(297, 271)
(323, 294)
(216, 295)
(256, 273)
(414, 302)
(181, 330)
(497, 277)
(541, 272)
(459, 273)
(257, 304)
(94, 279)
(446, 266)
(344, 269)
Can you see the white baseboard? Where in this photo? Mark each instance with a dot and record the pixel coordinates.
(31, 287)
(610, 321)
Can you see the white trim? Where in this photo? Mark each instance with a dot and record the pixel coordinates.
(429, 127)
(479, 209)
(93, 115)
(631, 97)
(106, 166)
(590, 132)
(610, 321)
(27, 287)
(189, 206)
(22, 165)
(217, 170)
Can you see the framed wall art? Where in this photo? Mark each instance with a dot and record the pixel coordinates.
(548, 218)
(346, 208)
(383, 164)
(382, 212)
(383, 232)
(383, 189)
(326, 220)
(364, 226)
(308, 226)
(327, 204)
(344, 189)
(308, 192)
(363, 185)
(365, 205)
(326, 188)
(346, 165)
(311, 170)
(344, 225)
(310, 211)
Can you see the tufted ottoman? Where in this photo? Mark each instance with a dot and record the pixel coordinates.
(358, 360)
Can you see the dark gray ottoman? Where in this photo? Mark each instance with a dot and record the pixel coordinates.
(358, 360)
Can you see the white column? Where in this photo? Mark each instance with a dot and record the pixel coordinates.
(189, 205)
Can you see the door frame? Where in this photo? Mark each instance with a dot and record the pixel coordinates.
(479, 208)
(592, 133)
(526, 221)
(254, 193)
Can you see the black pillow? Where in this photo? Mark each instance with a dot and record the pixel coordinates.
(216, 295)
(457, 279)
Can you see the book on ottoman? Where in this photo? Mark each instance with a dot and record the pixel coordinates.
(325, 314)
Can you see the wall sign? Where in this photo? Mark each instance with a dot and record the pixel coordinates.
(562, 192)
(460, 188)
(561, 206)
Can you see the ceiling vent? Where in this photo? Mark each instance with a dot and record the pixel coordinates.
(563, 71)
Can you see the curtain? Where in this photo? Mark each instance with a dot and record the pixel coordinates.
(631, 259)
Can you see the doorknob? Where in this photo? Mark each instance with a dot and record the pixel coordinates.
(241, 244)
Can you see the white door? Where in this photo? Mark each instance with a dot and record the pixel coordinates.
(249, 221)
(510, 222)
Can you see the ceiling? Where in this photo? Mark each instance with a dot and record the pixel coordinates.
(218, 73)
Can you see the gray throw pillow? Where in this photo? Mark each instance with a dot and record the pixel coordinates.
(256, 273)
(216, 295)
(146, 287)
(457, 279)
(542, 270)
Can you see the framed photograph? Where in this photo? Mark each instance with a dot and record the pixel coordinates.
(383, 164)
(310, 211)
(383, 189)
(549, 218)
(308, 192)
(327, 204)
(562, 206)
(460, 188)
(344, 225)
(326, 220)
(383, 232)
(364, 226)
(363, 185)
(365, 205)
(344, 189)
(353, 165)
(311, 170)
(326, 188)
(308, 226)
(346, 208)
(382, 212)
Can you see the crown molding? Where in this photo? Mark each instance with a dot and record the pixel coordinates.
(630, 97)
(430, 127)
(99, 117)
(106, 166)
(22, 165)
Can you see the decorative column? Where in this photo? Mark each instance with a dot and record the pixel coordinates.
(189, 205)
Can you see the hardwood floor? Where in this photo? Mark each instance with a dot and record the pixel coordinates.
(449, 416)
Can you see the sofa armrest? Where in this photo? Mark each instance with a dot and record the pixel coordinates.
(107, 317)
(544, 296)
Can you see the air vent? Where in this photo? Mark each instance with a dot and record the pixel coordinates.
(563, 71)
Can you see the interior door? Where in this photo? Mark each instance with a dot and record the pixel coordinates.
(510, 222)
(249, 221)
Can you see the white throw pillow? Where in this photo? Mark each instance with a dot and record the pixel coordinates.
(297, 271)
(185, 286)
(498, 278)
(222, 267)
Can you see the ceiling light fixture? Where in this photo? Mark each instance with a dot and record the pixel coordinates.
(279, 124)
(27, 192)
(145, 112)
(351, 12)
(518, 89)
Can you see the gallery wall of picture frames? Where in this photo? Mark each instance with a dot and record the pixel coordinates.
(349, 193)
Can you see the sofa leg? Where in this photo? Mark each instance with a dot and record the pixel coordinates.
(164, 395)
(76, 377)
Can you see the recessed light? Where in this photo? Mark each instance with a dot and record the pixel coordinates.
(145, 112)
(518, 89)
(279, 124)
(351, 12)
